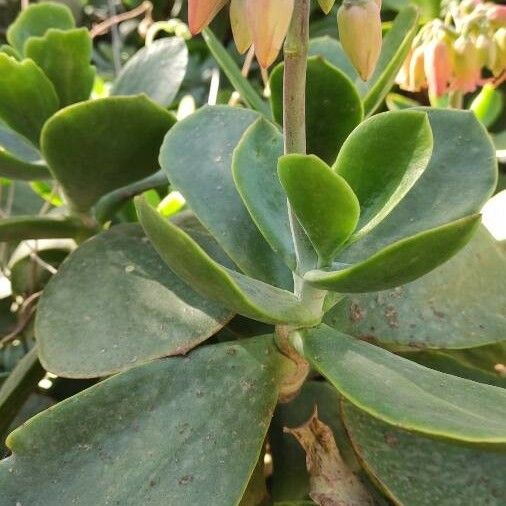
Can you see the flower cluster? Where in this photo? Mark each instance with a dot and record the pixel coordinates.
(453, 55)
(264, 24)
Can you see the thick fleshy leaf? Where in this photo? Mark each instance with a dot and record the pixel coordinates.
(381, 160)
(254, 167)
(65, 56)
(333, 107)
(401, 262)
(18, 158)
(324, 203)
(419, 471)
(395, 48)
(152, 433)
(156, 70)
(27, 97)
(120, 271)
(88, 160)
(406, 394)
(459, 179)
(459, 305)
(35, 20)
(197, 157)
(243, 295)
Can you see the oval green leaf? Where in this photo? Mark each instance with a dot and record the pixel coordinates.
(97, 146)
(65, 56)
(27, 97)
(254, 167)
(243, 295)
(197, 157)
(401, 262)
(405, 394)
(35, 20)
(152, 433)
(459, 179)
(324, 203)
(333, 107)
(381, 160)
(156, 70)
(418, 471)
(119, 270)
(458, 305)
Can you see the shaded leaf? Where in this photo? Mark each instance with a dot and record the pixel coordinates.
(197, 158)
(35, 20)
(406, 394)
(163, 417)
(120, 271)
(419, 471)
(331, 50)
(333, 107)
(156, 70)
(65, 56)
(246, 296)
(381, 160)
(76, 142)
(27, 97)
(254, 168)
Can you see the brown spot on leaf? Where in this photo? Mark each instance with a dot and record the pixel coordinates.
(391, 440)
(186, 479)
(356, 313)
(392, 316)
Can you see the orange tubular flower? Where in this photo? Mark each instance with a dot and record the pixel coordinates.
(240, 27)
(202, 12)
(437, 65)
(265, 22)
(359, 24)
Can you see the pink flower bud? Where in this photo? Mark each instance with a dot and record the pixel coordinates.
(326, 5)
(466, 65)
(497, 15)
(437, 67)
(202, 12)
(417, 79)
(269, 21)
(359, 24)
(486, 50)
(240, 27)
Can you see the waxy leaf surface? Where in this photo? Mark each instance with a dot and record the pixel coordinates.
(35, 20)
(458, 305)
(401, 262)
(405, 394)
(246, 296)
(132, 308)
(180, 428)
(97, 146)
(27, 97)
(333, 107)
(382, 159)
(419, 471)
(254, 167)
(324, 203)
(65, 56)
(197, 157)
(156, 70)
(459, 179)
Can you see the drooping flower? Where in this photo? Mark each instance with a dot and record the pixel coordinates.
(264, 23)
(466, 65)
(359, 24)
(437, 67)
